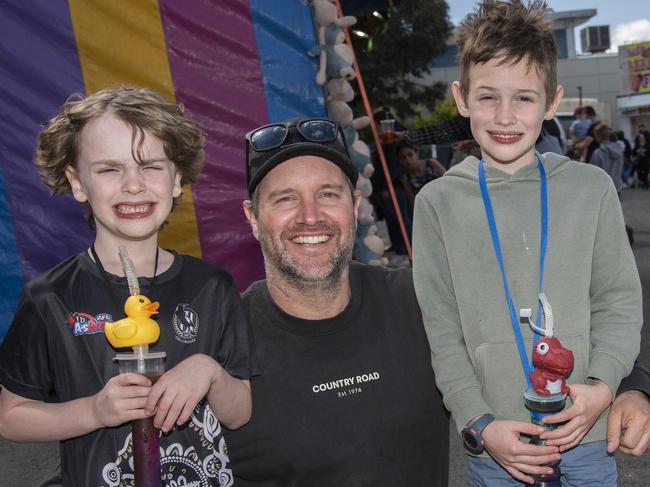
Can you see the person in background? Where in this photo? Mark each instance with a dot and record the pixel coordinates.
(609, 155)
(642, 159)
(418, 171)
(628, 163)
(578, 132)
(641, 130)
(590, 142)
(381, 195)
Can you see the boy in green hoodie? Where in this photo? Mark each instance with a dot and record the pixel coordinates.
(491, 235)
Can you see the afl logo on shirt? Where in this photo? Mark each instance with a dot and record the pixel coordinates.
(186, 323)
(87, 324)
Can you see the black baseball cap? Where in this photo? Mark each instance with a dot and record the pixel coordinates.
(272, 144)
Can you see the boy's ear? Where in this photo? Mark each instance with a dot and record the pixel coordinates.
(252, 219)
(460, 100)
(559, 94)
(78, 191)
(177, 190)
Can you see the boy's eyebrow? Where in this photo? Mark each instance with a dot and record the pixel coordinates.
(112, 162)
(106, 162)
(494, 88)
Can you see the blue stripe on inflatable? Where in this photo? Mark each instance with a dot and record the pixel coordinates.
(284, 33)
(39, 70)
(11, 281)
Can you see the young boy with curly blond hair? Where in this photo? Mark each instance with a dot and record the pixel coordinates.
(126, 153)
(491, 235)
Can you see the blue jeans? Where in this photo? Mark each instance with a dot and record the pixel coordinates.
(586, 465)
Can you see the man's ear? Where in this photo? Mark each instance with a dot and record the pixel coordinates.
(78, 191)
(557, 98)
(460, 99)
(357, 202)
(250, 216)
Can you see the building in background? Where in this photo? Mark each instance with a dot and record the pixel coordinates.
(634, 97)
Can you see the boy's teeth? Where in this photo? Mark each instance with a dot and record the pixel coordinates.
(311, 239)
(133, 209)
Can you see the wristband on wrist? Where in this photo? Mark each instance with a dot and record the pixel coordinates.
(473, 434)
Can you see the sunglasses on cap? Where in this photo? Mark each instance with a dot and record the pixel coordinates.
(272, 144)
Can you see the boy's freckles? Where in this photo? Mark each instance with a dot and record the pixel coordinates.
(506, 104)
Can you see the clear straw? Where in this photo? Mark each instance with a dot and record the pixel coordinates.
(129, 272)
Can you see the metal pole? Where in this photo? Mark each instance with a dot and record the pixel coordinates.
(580, 95)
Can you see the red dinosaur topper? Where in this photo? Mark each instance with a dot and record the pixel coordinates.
(553, 363)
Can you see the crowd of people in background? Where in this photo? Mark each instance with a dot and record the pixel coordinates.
(408, 155)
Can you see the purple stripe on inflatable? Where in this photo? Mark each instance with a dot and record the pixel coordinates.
(39, 70)
(216, 73)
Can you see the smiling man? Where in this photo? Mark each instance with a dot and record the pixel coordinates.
(346, 394)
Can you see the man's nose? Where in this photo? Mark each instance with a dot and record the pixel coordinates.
(309, 212)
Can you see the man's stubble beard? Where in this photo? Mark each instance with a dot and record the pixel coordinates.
(280, 263)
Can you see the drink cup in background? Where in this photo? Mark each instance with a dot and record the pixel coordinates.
(388, 130)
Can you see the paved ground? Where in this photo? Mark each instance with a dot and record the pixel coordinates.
(27, 464)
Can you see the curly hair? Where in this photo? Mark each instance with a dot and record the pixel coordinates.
(143, 110)
(513, 32)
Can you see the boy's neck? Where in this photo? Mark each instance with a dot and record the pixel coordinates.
(512, 167)
(141, 253)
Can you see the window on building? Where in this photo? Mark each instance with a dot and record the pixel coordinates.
(560, 39)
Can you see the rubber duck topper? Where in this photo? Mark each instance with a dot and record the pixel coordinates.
(137, 330)
(552, 361)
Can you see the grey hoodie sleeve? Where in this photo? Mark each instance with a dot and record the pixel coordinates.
(615, 297)
(455, 375)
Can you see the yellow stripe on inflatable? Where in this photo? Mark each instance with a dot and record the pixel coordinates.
(121, 42)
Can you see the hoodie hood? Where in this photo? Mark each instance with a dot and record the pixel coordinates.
(468, 169)
(612, 149)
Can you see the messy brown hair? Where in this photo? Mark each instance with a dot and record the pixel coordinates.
(143, 110)
(513, 32)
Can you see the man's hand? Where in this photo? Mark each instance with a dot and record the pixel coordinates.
(589, 402)
(121, 400)
(519, 459)
(628, 425)
(175, 395)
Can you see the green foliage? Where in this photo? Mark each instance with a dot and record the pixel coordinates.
(445, 110)
(399, 50)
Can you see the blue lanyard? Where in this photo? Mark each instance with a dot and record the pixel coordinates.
(526, 365)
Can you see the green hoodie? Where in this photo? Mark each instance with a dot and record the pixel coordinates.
(590, 280)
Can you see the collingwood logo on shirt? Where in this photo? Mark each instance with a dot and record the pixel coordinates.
(186, 323)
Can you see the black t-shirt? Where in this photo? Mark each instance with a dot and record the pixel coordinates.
(55, 350)
(346, 401)
(639, 379)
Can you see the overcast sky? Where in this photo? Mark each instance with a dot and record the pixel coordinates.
(628, 20)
